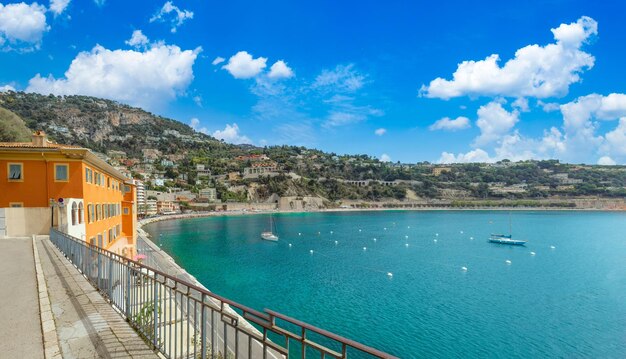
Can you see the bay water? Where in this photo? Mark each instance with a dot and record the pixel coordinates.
(425, 284)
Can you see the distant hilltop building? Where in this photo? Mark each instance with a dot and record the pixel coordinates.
(45, 185)
(203, 171)
(253, 158)
(437, 171)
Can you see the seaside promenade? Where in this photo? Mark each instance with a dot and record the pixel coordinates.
(49, 310)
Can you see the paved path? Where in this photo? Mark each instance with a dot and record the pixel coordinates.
(86, 325)
(20, 324)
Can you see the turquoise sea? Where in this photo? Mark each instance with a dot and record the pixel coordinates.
(563, 302)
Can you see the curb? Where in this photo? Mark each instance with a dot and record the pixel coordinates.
(48, 326)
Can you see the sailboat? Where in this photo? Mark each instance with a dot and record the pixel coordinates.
(506, 239)
(269, 235)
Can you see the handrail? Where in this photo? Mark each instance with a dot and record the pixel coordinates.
(202, 321)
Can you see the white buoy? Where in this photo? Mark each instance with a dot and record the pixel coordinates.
(408, 227)
(471, 238)
(374, 239)
(507, 261)
(552, 247)
(364, 248)
(406, 237)
(461, 232)
(385, 228)
(389, 274)
(464, 269)
(436, 234)
(311, 251)
(532, 253)
(336, 242)
(331, 232)
(406, 244)
(434, 240)
(299, 233)
(289, 244)
(359, 230)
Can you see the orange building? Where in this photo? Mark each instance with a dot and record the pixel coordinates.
(43, 184)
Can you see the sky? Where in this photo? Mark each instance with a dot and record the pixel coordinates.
(409, 81)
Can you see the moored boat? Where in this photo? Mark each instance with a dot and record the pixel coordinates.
(269, 235)
(506, 239)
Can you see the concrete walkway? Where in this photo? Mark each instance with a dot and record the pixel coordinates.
(86, 325)
(20, 324)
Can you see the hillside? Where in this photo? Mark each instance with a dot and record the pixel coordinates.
(12, 127)
(166, 153)
(103, 125)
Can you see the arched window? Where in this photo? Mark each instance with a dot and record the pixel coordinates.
(74, 214)
(81, 213)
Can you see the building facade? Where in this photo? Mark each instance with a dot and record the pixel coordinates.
(45, 185)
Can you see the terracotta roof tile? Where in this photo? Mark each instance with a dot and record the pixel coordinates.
(31, 145)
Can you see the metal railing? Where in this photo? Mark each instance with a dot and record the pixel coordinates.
(181, 320)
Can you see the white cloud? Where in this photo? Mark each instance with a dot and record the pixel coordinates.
(243, 66)
(58, 6)
(494, 122)
(197, 100)
(231, 134)
(280, 70)
(521, 104)
(141, 78)
(346, 113)
(449, 124)
(385, 158)
(22, 26)
(548, 106)
(178, 18)
(535, 71)
(218, 60)
(606, 161)
(616, 139)
(195, 124)
(138, 39)
(343, 78)
(474, 156)
(380, 131)
(7, 88)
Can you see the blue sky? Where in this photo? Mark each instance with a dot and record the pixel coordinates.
(402, 81)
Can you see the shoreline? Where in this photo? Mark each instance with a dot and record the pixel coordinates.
(168, 217)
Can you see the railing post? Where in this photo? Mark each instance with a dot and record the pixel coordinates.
(203, 328)
(99, 271)
(155, 311)
(127, 291)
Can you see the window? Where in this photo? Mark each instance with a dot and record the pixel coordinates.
(88, 175)
(105, 207)
(111, 235)
(74, 214)
(97, 179)
(90, 213)
(98, 212)
(108, 182)
(15, 172)
(81, 213)
(16, 204)
(117, 228)
(61, 172)
(126, 210)
(126, 188)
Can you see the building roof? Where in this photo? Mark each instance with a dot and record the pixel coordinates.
(41, 144)
(32, 145)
